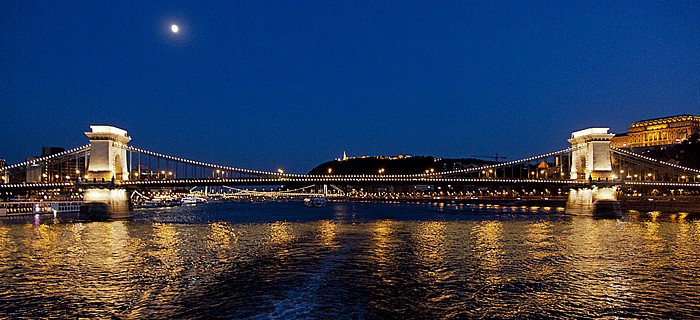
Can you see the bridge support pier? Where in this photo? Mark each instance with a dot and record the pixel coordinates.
(104, 204)
(594, 201)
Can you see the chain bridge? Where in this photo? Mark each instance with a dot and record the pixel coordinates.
(108, 163)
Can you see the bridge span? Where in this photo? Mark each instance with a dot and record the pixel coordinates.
(109, 163)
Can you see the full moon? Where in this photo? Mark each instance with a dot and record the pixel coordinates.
(174, 28)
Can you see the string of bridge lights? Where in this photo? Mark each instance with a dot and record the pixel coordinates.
(202, 164)
(505, 164)
(330, 179)
(49, 157)
(363, 177)
(634, 155)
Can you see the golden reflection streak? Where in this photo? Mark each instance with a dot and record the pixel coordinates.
(6, 248)
(489, 246)
(381, 252)
(595, 249)
(223, 241)
(431, 243)
(95, 251)
(107, 244)
(651, 230)
(166, 239)
(48, 258)
(538, 237)
(684, 243)
(280, 233)
(327, 230)
(431, 250)
(542, 245)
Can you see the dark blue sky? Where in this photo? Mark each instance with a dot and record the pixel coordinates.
(290, 84)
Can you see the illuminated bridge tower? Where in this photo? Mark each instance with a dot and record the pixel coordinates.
(108, 153)
(108, 163)
(590, 158)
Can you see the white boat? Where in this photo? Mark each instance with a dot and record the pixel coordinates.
(189, 200)
(315, 202)
(16, 208)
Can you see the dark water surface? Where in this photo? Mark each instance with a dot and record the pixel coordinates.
(349, 261)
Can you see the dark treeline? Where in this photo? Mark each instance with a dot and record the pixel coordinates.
(410, 165)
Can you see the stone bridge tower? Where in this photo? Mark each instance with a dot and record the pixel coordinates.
(590, 158)
(108, 153)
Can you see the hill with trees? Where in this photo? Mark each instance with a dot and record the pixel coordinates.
(395, 165)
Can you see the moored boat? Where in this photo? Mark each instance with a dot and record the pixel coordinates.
(315, 202)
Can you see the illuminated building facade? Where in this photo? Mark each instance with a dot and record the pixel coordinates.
(658, 132)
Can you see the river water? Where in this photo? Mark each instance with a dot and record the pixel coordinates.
(350, 261)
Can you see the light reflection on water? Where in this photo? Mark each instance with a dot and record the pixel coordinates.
(350, 260)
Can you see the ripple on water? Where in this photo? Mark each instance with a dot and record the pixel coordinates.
(349, 261)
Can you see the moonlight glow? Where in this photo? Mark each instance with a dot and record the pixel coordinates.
(174, 28)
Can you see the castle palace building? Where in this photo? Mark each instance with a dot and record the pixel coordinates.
(658, 132)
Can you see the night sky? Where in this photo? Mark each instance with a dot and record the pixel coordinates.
(291, 84)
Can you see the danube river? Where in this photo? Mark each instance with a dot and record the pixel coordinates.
(350, 261)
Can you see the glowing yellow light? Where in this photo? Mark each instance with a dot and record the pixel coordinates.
(174, 28)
